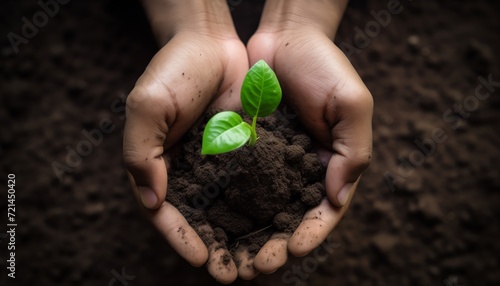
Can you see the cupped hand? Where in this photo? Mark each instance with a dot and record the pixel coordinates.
(192, 72)
(196, 70)
(334, 105)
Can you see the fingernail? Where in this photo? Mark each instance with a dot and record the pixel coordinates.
(148, 197)
(343, 195)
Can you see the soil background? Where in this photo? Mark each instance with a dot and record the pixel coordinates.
(439, 225)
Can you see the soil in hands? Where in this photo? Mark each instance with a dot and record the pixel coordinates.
(248, 194)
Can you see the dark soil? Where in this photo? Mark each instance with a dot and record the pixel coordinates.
(248, 194)
(440, 226)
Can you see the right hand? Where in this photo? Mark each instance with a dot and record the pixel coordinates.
(296, 38)
(192, 72)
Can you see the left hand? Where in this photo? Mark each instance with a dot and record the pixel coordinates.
(332, 102)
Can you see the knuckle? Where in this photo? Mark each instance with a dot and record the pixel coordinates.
(361, 160)
(137, 155)
(152, 100)
(355, 101)
(360, 98)
(132, 158)
(137, 97)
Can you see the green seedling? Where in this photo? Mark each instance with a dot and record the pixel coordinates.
(260, 96)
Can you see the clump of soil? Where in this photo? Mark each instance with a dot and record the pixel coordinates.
(248, 194)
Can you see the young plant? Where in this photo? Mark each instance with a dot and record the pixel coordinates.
(260, 96)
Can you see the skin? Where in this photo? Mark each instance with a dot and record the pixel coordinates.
(201, 65)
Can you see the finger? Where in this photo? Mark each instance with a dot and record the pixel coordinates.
(352, 146)
(143, 141)
(180, 235)
(317, 224)
(220, 263)
(348, 112)
(177, 231)
(246, 269)
(273, 254)
(221, 266)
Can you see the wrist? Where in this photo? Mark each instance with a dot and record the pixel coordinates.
(169, 17)
(292, 15)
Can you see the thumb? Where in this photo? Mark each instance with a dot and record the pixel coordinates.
(144, 137)
(352, 145)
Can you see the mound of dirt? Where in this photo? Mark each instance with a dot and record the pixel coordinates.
(248, 194)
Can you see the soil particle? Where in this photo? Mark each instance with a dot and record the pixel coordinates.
(294, 153)
(282, 221)
(312, 195)
(313, 169)
(220, 235)
(226, 258)
(302, 140)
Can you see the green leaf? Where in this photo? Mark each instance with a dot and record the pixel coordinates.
(261, 91)
(224, 132)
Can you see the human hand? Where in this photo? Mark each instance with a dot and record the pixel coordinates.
(201, 64)
(330, 99)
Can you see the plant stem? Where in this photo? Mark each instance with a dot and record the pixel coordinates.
(253, 132)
